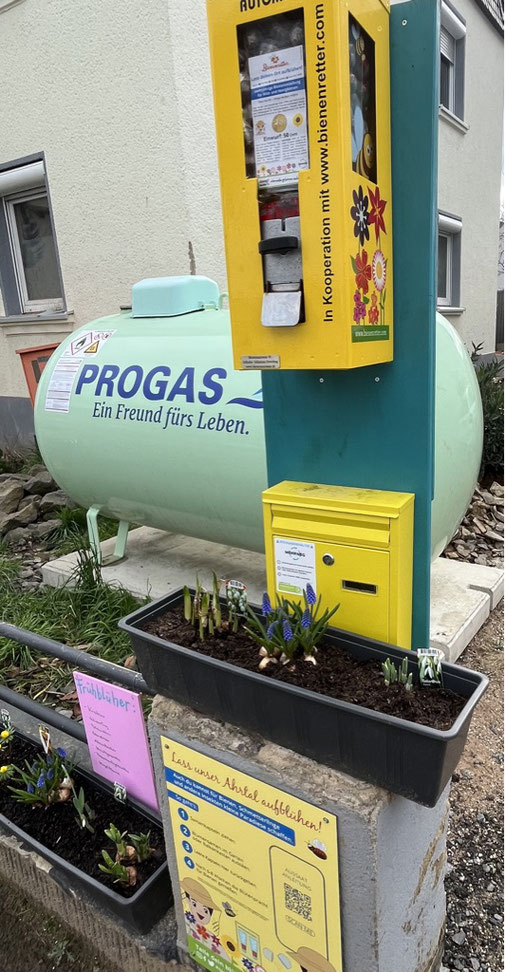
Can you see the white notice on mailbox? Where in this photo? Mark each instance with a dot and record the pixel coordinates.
(295, 565)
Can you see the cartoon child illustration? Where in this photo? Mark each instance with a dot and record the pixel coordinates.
(311, 961)
(202, 922)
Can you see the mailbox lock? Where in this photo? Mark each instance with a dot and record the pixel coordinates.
(328, 559)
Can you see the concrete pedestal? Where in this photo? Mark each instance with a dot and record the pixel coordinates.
(392, 853)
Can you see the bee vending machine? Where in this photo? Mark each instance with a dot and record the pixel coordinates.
(301, 92)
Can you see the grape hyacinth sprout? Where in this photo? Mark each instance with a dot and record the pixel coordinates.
(43, 782)
(290, 630)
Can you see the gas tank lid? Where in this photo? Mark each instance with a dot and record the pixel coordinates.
(173, 296)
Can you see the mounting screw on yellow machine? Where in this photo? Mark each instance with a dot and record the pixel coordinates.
(354, 546)
(301, 94)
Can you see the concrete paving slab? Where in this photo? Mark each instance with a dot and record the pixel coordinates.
(462, 595)
(158, 563)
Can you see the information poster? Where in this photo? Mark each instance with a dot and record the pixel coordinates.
(295, 566)
(279, 115)
(257, 869)
(116, 736)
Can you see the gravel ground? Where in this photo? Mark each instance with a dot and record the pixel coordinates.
(479, 539)
(474, 884)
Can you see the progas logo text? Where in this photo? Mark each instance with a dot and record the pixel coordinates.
(188, 387)
(156, 386)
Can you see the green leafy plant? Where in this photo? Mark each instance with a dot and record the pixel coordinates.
(203, 609)
(85, 814)
(118, 839)
(393, 674)
(490, 378)
(142, 846)
(236, 600)
(136, 849)
(45, 781)
(289, 629)
(117, 871)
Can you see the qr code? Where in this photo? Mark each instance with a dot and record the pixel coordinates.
(300, 904)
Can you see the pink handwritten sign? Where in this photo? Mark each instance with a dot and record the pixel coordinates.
(117, 738)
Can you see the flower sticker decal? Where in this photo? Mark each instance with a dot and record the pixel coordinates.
(359, 308)
(369, 307)
(359, 213)
(376, 214)
(379, 270)
(373, 313)
(362, 269)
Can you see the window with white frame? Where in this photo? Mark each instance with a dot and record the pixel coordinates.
(449, 261)
(30, 277)
(452, 60)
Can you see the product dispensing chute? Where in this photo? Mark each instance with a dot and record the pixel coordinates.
(303, 129)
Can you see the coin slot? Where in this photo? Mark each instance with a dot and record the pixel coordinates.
(359, 586)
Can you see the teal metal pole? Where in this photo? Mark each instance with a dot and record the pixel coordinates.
(373, 427)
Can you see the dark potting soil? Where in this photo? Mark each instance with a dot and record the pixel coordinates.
(57, 829)
(336, 674)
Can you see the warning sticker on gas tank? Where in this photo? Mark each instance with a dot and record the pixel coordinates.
(62, 380)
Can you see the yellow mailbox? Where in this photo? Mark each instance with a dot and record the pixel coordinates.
(301, 92)
(354, 546)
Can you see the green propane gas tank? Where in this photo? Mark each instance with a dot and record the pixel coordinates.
(142, 415)
(459, 429)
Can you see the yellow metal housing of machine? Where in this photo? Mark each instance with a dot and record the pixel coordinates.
(301, 94)
(353, 546)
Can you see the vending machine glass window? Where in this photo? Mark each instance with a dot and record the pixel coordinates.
(274, 117)
(363, 120)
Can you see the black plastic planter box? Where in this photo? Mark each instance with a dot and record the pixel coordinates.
(139, 912)
(412, 760)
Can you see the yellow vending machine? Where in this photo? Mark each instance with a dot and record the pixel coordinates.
(353, 546)
(301, 91)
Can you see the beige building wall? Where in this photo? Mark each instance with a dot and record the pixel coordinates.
(118, 96)
(469, 167)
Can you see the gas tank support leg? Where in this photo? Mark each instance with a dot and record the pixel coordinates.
(94, 538)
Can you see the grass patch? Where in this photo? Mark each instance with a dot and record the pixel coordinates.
(85, 616)
(72, 531)
(9, 569)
